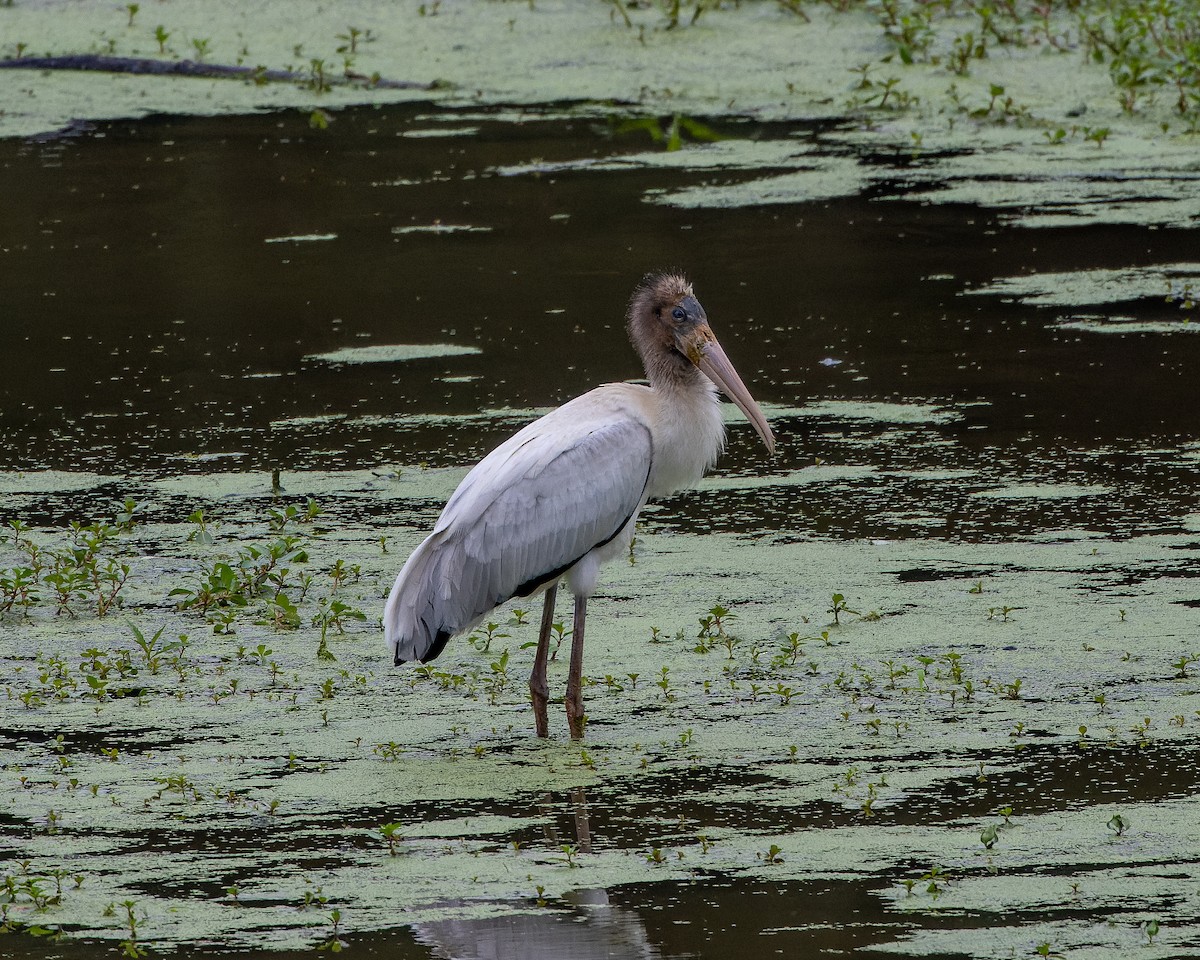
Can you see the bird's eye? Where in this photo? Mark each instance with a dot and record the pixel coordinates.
(678, 313)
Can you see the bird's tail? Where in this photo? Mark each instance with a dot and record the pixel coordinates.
(412, 627)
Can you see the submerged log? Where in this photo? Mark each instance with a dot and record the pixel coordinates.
(148, 66)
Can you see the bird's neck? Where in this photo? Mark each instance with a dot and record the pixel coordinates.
(689, 431)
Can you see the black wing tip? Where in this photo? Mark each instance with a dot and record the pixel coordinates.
(439, 644)
(435, 649)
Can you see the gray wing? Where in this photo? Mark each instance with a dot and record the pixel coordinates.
(525, 514)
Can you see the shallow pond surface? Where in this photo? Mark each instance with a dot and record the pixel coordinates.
(987, 445)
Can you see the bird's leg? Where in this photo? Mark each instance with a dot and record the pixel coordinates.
(539, 689)
(574, 677)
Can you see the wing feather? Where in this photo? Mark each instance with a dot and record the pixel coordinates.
(526, 513)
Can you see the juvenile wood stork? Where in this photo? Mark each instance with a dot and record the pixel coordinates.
(561, 496)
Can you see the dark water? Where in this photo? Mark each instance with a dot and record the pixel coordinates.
(149, 327)
(651, 922)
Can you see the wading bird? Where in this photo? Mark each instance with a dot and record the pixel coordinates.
(562, 495)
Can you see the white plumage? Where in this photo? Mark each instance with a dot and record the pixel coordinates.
(518, 520)
(562, 495)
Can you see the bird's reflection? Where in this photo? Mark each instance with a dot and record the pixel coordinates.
(593, 929)
(577, 801)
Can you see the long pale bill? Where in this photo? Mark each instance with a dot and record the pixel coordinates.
(715, 365)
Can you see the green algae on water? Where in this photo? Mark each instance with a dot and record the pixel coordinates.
(969, 680)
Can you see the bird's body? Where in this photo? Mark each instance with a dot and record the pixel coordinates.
(555, 500)
(561, 496)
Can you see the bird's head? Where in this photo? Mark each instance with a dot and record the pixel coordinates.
(670, 331)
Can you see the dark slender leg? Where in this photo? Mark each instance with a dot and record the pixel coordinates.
(574, 678)
(539, 689)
